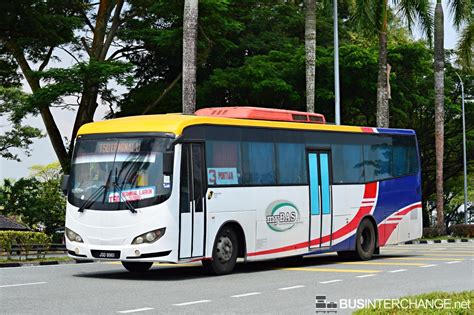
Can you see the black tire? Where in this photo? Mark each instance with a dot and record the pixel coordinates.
(137, 266)
(224, 253)
(365, 240)
(365, 243)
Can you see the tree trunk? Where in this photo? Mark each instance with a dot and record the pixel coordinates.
(310, 51)
(439, 111)
(383, 114)
(190, 28)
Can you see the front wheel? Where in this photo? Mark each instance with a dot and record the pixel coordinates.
(224, 253)
(137, 266)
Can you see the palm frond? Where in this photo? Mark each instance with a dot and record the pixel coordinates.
(465, 45)
(365, 15)
(419, 12)
(461, 10)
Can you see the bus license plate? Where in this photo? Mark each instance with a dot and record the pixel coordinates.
(106, 254)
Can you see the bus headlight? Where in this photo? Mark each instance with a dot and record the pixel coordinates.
(149, 237)
(73, 236)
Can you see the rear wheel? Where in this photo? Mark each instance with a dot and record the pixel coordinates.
(224, 253)
(365, 243)
(136, 266)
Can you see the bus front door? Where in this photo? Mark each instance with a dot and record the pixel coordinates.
(192, 206)
(320, 195)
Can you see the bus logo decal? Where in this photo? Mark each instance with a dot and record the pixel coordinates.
(281, 215)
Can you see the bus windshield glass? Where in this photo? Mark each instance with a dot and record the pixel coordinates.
(108, 173)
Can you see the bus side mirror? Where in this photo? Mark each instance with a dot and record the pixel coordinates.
(64, 184)
(168, 157)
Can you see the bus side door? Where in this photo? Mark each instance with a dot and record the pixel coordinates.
(320, 195)
(192, 206)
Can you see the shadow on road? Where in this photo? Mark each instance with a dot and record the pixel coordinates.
(189, 272)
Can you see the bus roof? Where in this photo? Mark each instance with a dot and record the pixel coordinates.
(176, 123)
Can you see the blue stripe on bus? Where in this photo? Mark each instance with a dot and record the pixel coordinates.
(396, 131)
(314, 183)
(325, 198)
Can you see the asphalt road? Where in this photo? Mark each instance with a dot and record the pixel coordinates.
(278, 286)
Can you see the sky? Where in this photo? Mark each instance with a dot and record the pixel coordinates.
(42, 150)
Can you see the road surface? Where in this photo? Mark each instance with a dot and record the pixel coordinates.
(277, 286)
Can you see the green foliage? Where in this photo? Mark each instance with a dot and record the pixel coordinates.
(21, 137)
(26, 240)
(37, 202)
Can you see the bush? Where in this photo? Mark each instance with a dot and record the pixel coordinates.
(26, 240)
(431, 232)
(463, 230)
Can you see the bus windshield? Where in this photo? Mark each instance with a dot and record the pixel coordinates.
(107, 173)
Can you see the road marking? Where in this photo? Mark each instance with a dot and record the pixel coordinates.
(291, 288)
(366, 276)
(330, 281)
(191, 303)
(246, 294)
(20, 284)
(424, 258)
(447, 254)
(427, 266)
(331, 270)
(381, 263)
(453, 262)
(398, 270)
(136, 310)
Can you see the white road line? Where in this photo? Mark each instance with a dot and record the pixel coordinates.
(291, 288)
(398, 270)
(191, 303)
(366, 276)
(136, 310)
(427, 266)
(246, 294)
(330, 281)
(453, 262)
(20, 284)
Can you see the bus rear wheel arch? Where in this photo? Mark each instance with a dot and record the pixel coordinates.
(365, 242)
(228, 245)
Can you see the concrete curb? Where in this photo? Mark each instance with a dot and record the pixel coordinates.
(42, 263)
(451, 240)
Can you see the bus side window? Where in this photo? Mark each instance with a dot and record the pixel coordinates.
(258, 163)
(223, 160)
(291, 163)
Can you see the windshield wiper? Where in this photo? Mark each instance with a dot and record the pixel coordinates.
(89, 201)
(127, 203)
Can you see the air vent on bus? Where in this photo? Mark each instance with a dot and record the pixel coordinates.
(260, 113)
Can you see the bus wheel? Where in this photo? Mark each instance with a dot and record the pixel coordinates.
(137, 266)
(365, 240)
(224, 253)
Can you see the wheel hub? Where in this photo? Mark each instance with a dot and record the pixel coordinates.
(224, 249)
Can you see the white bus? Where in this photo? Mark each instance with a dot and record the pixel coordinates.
(238, 182)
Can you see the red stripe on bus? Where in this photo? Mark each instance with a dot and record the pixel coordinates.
(367, 129)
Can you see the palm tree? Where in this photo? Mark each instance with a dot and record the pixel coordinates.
(190, 27)
(439, 110)
(462, 12)
(310, 51)
(372, 17)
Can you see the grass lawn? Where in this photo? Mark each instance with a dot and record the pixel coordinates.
(460, 303)
(34, 259)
